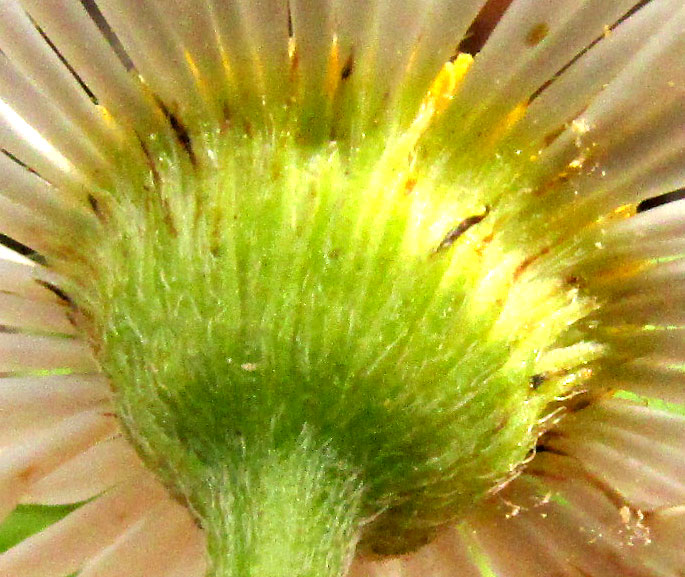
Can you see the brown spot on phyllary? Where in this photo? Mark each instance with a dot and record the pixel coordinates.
(537, 380)
(94, 205)
(460, 229)
(501, 424)
(180, 131)
(553, 183)
(485, 241)
(182, 136)
(58, 292)
(348, 68)
(168, 217)
(152, 165)
(409, 184)
(28, 473)
(551, 136)
(573, 281)
(520, 269)
(227, 121)
(483, 25)
(248, 128)
(294, 61)
(540, 448)
(537, 34)
(581, 404)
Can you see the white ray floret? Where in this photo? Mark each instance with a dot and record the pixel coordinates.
(27, 189)
(655, 378)
(191, 22)
(65, 546)
(106, 464)
(17, 277)
(45, 118)
(23, 465)
(440, 23)
(544, 37)
(158, 57)
(94, 59)
(22, 43)
(569, 94)
(19, 352)
(150, 548)
(19, 137)
(626, 103)
(34, 403)
(25, 226)
(29, 315)
(266, 23)
(667, 528)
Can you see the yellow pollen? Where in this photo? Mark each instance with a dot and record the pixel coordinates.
(437, 99)
(439, 95)
(224, 61)
(200, 80)
(624, 271)
(193, 67)
(624, 211)
(580, 126)
(515, 115)
(507, 123)
(107, 116)
(333, 72)
(447, 82)
(294, 57)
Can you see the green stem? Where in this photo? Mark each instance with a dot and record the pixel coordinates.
(282, 513)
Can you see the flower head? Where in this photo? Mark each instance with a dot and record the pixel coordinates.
(307, 289)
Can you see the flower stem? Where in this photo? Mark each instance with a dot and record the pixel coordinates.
(292, 512)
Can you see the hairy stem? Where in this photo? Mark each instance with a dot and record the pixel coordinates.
(285, 512)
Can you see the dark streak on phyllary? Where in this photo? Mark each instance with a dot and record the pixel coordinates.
(460, 229)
